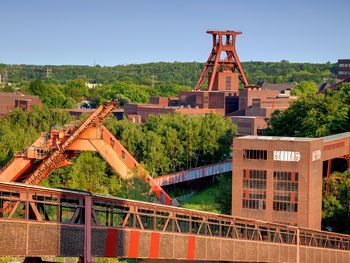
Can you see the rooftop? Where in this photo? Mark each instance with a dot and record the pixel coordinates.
(336, 136)
(278, 138)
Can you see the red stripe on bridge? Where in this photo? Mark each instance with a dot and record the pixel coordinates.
(134, 244)
(111, 242)
(191, 247)
(154, 249)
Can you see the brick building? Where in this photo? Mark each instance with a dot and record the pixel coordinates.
(256, 105)
(343, 69)
(9, 101)
(279, 179)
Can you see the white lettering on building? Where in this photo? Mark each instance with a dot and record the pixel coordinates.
(316, 155)
(286, 156)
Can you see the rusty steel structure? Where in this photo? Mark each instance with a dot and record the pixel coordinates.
(223, 41)
(70, 223)
(48, 153)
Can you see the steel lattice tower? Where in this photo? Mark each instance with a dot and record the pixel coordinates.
(223, 41)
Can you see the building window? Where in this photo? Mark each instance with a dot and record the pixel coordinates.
(255, 154)
(254, 189)
(228, 83)
(22, 104)
(285, 195)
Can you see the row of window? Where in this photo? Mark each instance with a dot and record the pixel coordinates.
(254, 194)
(254, 174)
(255, 154)
(285, 187)
(277, 206)
(254, 184)
(254, 204)
(285, 176)
(284, 206)
(286, 197)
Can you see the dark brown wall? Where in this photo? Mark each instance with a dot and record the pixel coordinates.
(8, 101)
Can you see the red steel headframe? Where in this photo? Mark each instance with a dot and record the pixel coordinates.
(231, 62)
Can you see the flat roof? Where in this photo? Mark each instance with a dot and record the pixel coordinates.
(277, 138)
(336, 136)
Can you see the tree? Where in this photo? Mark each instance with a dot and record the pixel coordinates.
(76, 89)
(336, 205)
(314, 115)
(51, 95)
(305, 88)
(19, 129)
(89, 173)
(172, 142)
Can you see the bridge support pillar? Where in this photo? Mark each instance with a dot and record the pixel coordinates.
(87, 236)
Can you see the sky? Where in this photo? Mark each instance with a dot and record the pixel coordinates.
(114, 32)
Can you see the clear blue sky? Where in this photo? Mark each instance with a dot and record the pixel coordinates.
(136, 31)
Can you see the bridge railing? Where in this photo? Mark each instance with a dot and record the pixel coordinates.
(194, 173)
(68, 207)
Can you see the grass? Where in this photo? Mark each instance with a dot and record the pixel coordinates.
(203, 200)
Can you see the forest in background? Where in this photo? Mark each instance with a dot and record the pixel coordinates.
(181, 73)
(64, 86)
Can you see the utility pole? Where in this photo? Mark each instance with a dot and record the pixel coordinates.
(153, 81)
(48, 72)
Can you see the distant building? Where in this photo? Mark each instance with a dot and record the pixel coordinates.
(92, 85)
(256, 105)
(3, 77)
(343, 69)
(10, 101)
(249, 108)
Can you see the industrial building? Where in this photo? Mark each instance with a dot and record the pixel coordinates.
(228, 92)
(3, 77)
(11, 100)
(343, 69)
(279, 179)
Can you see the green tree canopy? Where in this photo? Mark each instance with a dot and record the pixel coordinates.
(172, 142)
(305, 88)
(313, 115)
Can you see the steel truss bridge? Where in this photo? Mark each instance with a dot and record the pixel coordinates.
(38, 222)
